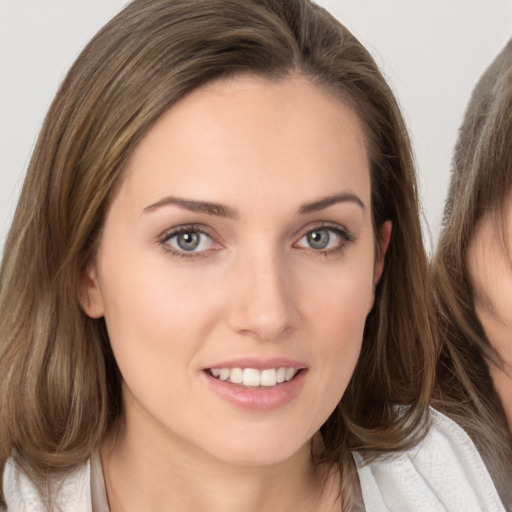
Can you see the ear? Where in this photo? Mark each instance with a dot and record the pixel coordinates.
(384, 236)
(90, 295)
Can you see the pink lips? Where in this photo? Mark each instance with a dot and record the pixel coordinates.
(260, 398)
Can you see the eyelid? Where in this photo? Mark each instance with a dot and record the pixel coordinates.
(166, 235)
(339, 229)
(322, 224)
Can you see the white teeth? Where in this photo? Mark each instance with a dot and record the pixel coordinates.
(236, 376)
(268, 377)
(281, 374)
(290, 372)
(252, 377)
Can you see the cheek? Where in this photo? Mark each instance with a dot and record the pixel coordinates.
(157, 324)
(490, 271)
(337, 313)
(341, 299)
(491, 275)
(339, 320)
(152, 315)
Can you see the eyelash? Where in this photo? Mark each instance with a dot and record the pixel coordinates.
(165, 237)
(341, 232)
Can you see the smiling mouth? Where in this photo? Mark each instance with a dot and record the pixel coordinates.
(254, 378)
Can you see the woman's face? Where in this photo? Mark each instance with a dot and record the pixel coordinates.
(237, 267)
(490, 268)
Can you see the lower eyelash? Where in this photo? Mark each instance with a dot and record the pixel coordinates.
(179, 254)
(167, 235)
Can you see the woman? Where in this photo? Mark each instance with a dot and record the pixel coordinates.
(471, 275)
(203, 303)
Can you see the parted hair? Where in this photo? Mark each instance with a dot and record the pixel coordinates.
(60, 392)
(481, 180)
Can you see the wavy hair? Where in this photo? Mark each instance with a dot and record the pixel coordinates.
(57, 368)
(481, 180)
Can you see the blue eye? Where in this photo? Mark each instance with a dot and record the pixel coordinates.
(189, 241)
(318, 239)
(324, 239)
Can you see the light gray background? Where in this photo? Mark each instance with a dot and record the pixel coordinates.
(432, 52)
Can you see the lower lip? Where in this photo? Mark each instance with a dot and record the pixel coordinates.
(261, 398)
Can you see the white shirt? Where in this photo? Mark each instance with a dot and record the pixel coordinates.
(443, 473)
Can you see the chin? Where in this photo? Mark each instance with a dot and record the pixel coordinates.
(263, 448)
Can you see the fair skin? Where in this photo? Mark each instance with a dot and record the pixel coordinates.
(490, 268)
(240, 236)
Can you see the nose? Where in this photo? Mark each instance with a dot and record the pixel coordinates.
(264, 299)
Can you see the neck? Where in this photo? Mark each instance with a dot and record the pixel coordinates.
(155, 472)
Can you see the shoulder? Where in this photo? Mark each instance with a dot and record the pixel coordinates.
(70, 493)
(444, 473)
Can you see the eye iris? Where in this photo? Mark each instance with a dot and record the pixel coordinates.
(318, 239)
(188, 241)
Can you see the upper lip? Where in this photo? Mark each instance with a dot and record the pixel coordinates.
(259, 364)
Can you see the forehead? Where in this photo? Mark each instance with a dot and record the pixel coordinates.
(243, 132)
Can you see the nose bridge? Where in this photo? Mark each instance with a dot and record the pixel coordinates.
(264, 305)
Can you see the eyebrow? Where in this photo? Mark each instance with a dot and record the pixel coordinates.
(206, 207)
(321, 204)
(219, 210)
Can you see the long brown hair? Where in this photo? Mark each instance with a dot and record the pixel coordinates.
(60, 386)
(481, 179)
